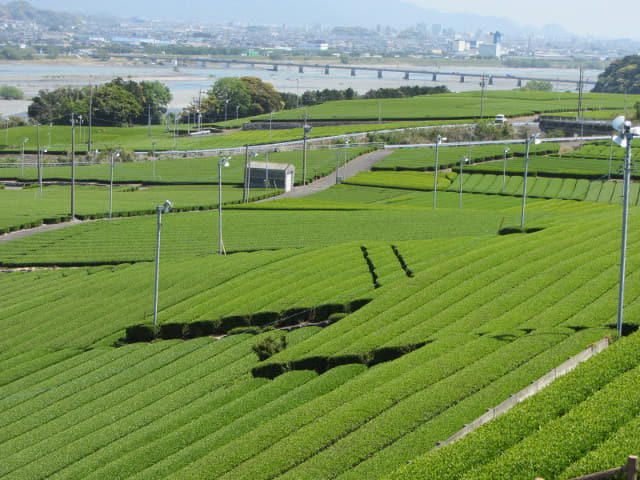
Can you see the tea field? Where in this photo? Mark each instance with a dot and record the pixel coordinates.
(404, 323)
(199, 170)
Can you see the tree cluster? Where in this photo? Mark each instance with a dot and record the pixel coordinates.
(228, 97)
(621, 76)
(315, 97)
(537, 86)
(405, 91)
(115, 103)
(8, 92)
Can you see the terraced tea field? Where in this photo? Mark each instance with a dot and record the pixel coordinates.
(414, 322)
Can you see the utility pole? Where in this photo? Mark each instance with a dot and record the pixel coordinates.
(73, 167)
(245, 192)
(483, 86)
(90, 108)
(149, 120)
(580, 113)
(306, 130)
(39, 161)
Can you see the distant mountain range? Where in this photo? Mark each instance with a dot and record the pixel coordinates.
(24, 11)
(396, 13)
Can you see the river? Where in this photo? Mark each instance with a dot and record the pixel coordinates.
(186, 82)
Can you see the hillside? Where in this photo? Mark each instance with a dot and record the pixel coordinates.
(404, 322)
(24, 12)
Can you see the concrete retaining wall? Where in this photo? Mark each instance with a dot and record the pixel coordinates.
(532, 389)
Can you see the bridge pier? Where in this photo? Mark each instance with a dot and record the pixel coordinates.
(275, 67)
(461, 78)
(252, 66)
(300, 69)
(353, 72)
(406, 75)
(227, 65)
(435, 78)
(326, 70)
(490, 80)
(519, 82)
(379, 73)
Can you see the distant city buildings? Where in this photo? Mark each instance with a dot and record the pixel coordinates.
(423, 40)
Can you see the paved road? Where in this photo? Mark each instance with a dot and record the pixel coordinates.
(358, 164)
(30, 231)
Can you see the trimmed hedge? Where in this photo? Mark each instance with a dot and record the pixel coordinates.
(321, 364)
(329, 312)
(142, 333)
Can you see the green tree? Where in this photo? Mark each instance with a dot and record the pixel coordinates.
(229, 92)
(264, 98)
(11, 93)
(537, 86)
(113, 105)
(56, 106)
(621, 76)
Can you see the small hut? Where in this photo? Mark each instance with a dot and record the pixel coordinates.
(271, 175)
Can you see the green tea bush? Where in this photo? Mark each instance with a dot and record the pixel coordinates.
(172, 330)
(268, 346)
(142, 333)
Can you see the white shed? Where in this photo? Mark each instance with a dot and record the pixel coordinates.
(271, 175)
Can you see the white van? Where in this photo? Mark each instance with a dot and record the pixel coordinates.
(500, 118)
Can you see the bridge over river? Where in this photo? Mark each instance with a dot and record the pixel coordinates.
(407, 72)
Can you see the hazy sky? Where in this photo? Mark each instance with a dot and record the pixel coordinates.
(587, 17)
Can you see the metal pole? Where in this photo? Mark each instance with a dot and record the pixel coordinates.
(504, 169)
(435, 172)
(623, 248)
(460, 201)
(39, 158)
(266, 160)
(153, 160)
(304, 158)
(245, 191)
(111, 187)
(90, 108)
(344, 160)
(155, 296)
(610, 155)
(270, 120)
(337, 167)
(24, 140)
(220, 208)
(482, 86)
(524, 185)
(73, 168)
(254, 154)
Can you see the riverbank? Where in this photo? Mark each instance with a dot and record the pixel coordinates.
(187, 82)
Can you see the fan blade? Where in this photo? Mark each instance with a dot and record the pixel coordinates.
(618, 123)
(621, 141)
(635, 131)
